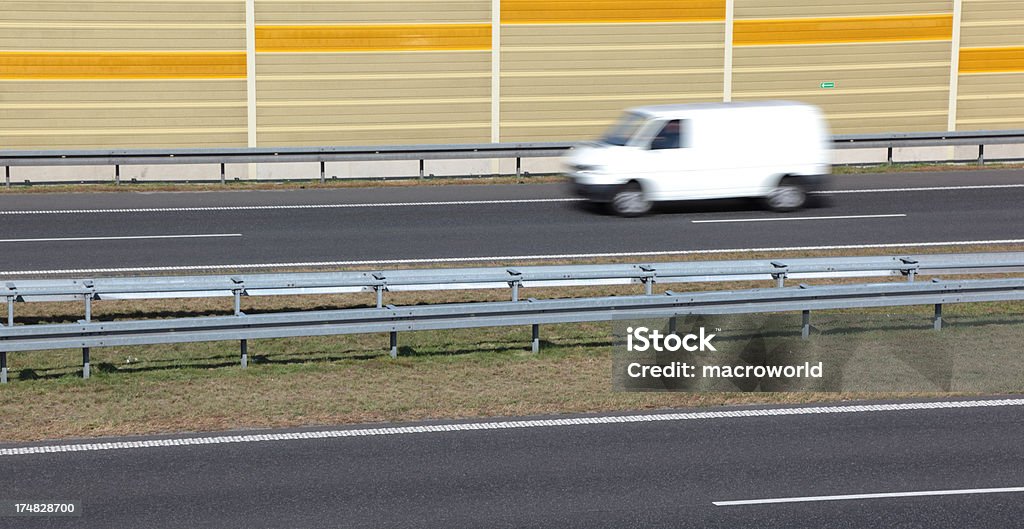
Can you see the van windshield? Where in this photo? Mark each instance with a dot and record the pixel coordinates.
(624, 129)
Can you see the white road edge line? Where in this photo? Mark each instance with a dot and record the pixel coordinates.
(505, 258)
(125, 237)
(779, 219)
(290, 206)
(907, 189)
(957, 492)
(506, 425)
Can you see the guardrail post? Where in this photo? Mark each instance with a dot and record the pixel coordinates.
(245, 353)
(7, 176)
(323, 171)
(394, 344)
(515, 283)
(379, 289)
(10, 309)
(535, 345)
(519, 167)
(672, 325)
(937, 322)
(117, 175)
(805, 331)
(422, 169)
(981, 154)
(781, 269)
(223, 175)
(3, 367)
(888, 155)
(85, 362)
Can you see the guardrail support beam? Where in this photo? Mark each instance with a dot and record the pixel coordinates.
(888, 155)
(3, 367)
(535, 345)
(805, 331)
(7, 176)
(937, 322)
(10, 311)
(245, 353)
(85, 362)
(323, 171)
(981, 154)
(394, 344)
(117, 175)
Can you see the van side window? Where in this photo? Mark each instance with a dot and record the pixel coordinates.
(670, 136)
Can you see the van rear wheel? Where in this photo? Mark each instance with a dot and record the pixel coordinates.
(787, 196)
(629, 201)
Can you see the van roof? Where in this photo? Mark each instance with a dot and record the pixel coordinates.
(661, 110)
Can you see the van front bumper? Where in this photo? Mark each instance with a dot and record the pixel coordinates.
(594, 192)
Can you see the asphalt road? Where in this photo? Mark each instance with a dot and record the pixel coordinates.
(660, 473)
(91, 231)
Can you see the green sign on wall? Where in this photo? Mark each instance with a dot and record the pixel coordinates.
(828, 84)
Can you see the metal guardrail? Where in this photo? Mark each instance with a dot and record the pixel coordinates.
(518, 151)
(513, 278)
(387, 318)
(393, 320)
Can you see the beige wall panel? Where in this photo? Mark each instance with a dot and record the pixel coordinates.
(992, 36)
(998, 11)
(560, 61)
(132, 138)
(112, 11)
(367, 98)
(817, 8)
(479, 133)
(836, 55)
(883, 87)
(101, 114)
(568, 82)
(991, 101)
(123, 39)
(513, 36)
(297, 12)
(988, 84)
(636, 85)
(125, 92)
(860, 125)
(987, 23)
(398, 63)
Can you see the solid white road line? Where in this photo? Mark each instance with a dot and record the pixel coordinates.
(505, 425)
(126, 237)
(906, 189)
(958, 492)
(775, 219)
(506, 258)
(291, 206)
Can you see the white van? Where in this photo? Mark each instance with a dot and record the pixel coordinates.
(774, 150)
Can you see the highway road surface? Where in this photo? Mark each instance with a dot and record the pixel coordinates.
(955, 463)
(133, 232)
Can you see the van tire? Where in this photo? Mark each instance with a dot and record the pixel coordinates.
(629, 201)
(787, 196)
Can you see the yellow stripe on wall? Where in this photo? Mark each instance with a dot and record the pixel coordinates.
(121, 65)
(610, 11)
(991, 60)
(845, 29)
(390, 37)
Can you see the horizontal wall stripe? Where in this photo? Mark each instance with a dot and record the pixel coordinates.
(619, 97)
(371, 77)
(611, 73)
(121, 65)
(623, 47)
(358, 128)
(121, 104)
(371, 102)
(842, 67)
(610, 11)
(991, 60)
(839, 90)
(373, 38)
(772, 32)
(131, 131)
(986, 97)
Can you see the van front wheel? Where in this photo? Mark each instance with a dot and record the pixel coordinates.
(629, 201)
(788, 196)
